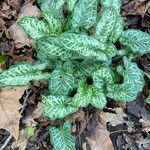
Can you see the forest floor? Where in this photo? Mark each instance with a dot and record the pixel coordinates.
(121, 126)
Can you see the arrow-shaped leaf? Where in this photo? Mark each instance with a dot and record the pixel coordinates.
(61, 138)
(84, 14)
(34, 27)
(57, 107)
(21, 74)
(138, 41)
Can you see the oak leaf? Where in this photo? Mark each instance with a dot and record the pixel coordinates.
(9, 109)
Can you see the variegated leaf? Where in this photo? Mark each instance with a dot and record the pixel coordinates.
(80, 76)
(116, 4)
(22, 74)
(71, 4)
(61, 138)
(132, 85)
(54, 24)
(83, 45)
(138, 41)
(54, 7)
(122, 92)
(83, 96)
(133, 75)
(118, 29)
(62, 81)
(34, 27)
(98, 99)
(67, 24)
(105, 25)
(41, 1)
(57, 107)
(102, 77)
(89, 95)
(49, 47)
(111, 50)
(87, 67)
(85, 14)
(42, 57)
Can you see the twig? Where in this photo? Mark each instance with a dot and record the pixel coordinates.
(118, 131)
(25, 100)
(6, 142)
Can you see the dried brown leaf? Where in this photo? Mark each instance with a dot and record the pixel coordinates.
(29, 120)
(14, 3)
(99, 139)
(136, 8)
(38, 111)
(80, 117)
(16, 32)
(114, 118)
(6, 11)
(145, 125)
(2, 27)
(28, 10)
(146, 21)
(21, 142)
(141, 9)
(9, 109)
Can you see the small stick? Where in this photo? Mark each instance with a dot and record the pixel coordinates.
(6, 142)
(25, 100)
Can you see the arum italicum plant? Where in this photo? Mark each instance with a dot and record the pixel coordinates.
(75, 57)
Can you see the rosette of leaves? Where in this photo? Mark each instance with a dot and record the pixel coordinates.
(80, 62)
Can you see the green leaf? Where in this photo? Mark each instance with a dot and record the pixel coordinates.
(133, 75)
(2, 58)
(52, 11)
(22, 74)
(122, 92)
(30, 131)
(54, 24)
(83, 96)
(61, 138)
(105, 25)
(85, 14)
(34, 27)
(71, 4)
(132, 85)
(41, 1)
(89, 95)
(111, 50)
(83, 45)
(118, 26)
(69, 66)
(88, 66)
(98, 99)
(102, 77)
(62, 81)
(50, 48)
(57, 107)
(54, 7)
(116, 4)
(118, 29)
(138, 41)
